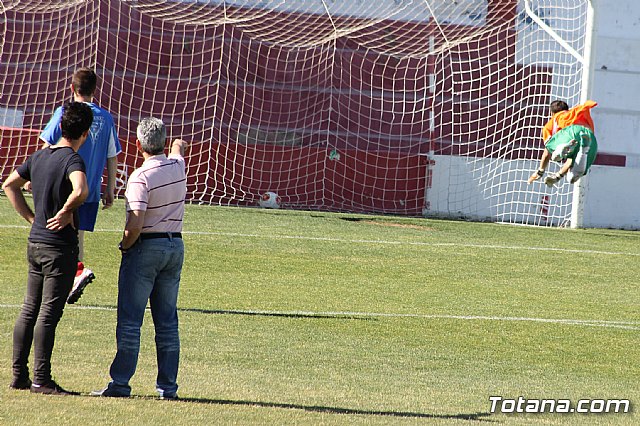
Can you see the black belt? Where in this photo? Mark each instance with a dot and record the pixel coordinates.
(152, 235)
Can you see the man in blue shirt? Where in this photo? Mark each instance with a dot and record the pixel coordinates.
(102, 147)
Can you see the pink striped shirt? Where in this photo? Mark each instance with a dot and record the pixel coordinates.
(159, 187)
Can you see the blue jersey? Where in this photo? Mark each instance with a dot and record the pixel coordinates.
(101, 144)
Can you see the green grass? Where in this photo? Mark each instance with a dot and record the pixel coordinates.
(317, 318)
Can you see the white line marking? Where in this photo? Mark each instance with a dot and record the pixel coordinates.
(381, 242)
(626, 325)
(410, 243)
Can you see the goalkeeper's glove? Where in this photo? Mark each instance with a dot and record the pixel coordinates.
(552, 179)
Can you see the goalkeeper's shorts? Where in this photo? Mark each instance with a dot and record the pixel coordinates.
(586, 148)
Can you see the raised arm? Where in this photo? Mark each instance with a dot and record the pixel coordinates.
(178, 147)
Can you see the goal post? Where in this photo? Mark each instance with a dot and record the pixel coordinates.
(409, 107)
(577, 211)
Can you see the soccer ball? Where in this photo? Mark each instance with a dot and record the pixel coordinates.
(270, 200)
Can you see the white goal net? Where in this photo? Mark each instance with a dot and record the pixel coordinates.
(412, 107)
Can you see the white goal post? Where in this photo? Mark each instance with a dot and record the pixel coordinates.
(410, 107)
(584, 58)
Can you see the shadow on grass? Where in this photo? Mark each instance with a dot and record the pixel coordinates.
(309, 315)
(480, 417)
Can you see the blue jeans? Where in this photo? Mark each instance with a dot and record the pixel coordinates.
(149, 271)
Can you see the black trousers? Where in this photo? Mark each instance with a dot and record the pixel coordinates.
(51, 273)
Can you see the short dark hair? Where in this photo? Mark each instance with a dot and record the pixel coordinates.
(76, 119)
(84, 81)
(557, 106)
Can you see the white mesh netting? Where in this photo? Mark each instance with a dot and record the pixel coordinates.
(390, 106)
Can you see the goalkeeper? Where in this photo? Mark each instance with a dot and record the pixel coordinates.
(568, 137)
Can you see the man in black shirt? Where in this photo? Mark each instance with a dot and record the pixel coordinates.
(59, 187)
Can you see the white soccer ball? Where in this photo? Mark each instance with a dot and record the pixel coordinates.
(270, 200)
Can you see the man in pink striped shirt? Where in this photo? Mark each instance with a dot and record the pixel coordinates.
(152, 258)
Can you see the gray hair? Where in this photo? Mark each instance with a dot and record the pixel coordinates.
(152, 135)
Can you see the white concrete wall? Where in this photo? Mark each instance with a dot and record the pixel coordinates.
(612, 196)
(494, 189)
(10, 118)
(454, 191)
(616, 75)
(461, 12)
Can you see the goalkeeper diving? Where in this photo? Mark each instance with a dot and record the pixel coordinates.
(568, 137)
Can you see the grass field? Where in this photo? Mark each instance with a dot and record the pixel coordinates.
(318, 318)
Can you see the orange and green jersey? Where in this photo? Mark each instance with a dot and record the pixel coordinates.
(579, 115)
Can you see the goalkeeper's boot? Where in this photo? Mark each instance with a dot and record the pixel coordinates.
(552, 179)
(84, 276)
(562, 152)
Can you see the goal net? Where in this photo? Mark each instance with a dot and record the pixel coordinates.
(412, 107)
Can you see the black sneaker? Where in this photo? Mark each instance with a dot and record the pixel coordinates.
(109, 393)
(173, 397)
(79, 284)
(51, 388)
(22, 383)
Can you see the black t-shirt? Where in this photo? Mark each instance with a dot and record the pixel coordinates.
(48, 170)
